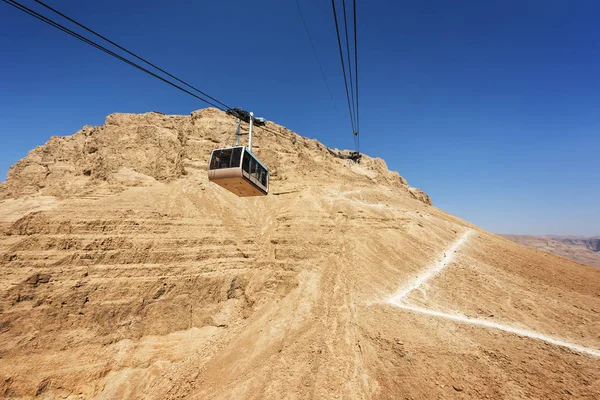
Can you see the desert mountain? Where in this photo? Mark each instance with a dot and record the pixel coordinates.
(126, 274)
(584, 250)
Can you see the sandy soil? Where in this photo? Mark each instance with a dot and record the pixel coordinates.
(132, 276)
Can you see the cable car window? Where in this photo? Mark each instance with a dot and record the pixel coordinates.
(264, 178)
(254, 169)
(214, 161)
(235, 158)
(224, 158)
(259, 173)
(246, 162)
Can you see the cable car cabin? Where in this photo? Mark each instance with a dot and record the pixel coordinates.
(239, 171)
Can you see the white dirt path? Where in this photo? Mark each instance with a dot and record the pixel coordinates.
(398, 300)
(442, 263)
(502, 327)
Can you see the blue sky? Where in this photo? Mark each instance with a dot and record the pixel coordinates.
(491, 107)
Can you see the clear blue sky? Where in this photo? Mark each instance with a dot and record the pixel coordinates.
(491, 107)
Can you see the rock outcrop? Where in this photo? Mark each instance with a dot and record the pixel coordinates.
(138, 150)
(126, 274)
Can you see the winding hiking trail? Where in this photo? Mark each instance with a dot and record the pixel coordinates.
(445, 260)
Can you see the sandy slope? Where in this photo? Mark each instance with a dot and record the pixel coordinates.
(129, 275)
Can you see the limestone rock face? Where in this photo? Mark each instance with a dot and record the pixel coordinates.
(126, 274)
(139, 150)
(128, 150)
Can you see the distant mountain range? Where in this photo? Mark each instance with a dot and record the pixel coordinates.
(585, 250)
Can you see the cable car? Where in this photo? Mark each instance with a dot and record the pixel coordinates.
(236, 168)
(239, 171)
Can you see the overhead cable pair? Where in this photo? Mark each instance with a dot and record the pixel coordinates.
(352, 92)
(112, 53)
(181, 85)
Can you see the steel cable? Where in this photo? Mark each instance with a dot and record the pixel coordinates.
(349, 63)
(130, 53)
(337, 30)
(102, 48)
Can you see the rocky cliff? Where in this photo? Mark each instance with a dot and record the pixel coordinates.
(127, 274)
(139, 150)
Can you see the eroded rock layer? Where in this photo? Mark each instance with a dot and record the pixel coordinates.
(126, 274)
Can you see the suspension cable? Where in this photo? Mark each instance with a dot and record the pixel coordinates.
(222, 106)
(337, 30)
(349, 63)
(312, 44)
(356, 71)
(129, 52)
(102, 48)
